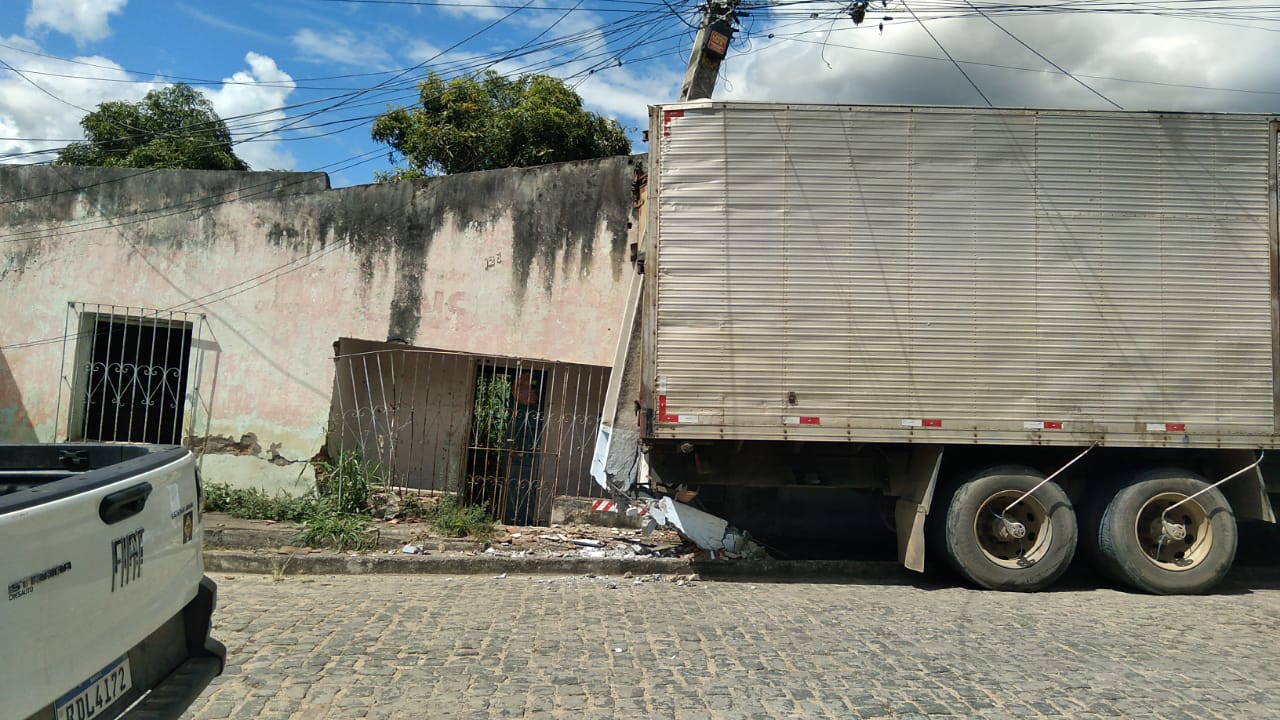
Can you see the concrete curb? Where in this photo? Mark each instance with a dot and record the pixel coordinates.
(1242, 579)
(240, 561)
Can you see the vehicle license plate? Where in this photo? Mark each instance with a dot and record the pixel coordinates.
(91, 698)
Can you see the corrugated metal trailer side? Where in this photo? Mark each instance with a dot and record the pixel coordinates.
(954, 275)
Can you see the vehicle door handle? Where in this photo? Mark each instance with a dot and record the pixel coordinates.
(124, 503)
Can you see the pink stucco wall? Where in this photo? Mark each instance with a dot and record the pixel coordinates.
(526, 263)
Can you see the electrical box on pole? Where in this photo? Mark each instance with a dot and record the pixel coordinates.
(709, 48)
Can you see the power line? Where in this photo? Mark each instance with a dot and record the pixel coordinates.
(91, 225)
(944, 52)
(1042, 57)
(277, 128)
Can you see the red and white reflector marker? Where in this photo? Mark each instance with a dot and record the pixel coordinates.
(610, 506)
(922, 423)
(1166, 427)
(801, 420)
(1042, 425)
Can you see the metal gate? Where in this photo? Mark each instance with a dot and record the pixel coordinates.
(507, 432)
(132, 374)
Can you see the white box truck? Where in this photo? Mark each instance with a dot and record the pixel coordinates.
(1024, 328)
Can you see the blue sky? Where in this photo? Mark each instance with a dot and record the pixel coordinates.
(299, 81)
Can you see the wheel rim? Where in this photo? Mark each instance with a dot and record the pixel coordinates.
(1166, 550)
(1003, 547)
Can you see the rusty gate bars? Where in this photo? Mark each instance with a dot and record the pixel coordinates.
(510, 433)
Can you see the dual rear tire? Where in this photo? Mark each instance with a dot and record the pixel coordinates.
(1155, 536)
(1151, 534)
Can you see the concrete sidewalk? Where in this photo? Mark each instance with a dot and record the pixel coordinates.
(236, 545)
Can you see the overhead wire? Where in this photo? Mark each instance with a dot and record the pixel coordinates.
(238, 124)
(944, 52)
(267, 126)
(1040, 55)
(148, 215)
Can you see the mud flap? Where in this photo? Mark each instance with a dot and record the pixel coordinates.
(914, 496)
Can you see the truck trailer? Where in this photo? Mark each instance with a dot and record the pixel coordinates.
(1024, 330)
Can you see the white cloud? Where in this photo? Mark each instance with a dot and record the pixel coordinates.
(421, 51)
(475, 9)
(84, 20)
(33, 119)
(1182, 64)
(219, 23)
(254, 100)
(625, 95)
(341, 47)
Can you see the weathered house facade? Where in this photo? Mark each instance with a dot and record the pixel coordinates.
(265, 319)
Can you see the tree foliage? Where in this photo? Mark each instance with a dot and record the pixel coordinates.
(493, 121)
(173, 127)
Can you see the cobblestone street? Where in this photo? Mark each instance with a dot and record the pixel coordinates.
(580, 647)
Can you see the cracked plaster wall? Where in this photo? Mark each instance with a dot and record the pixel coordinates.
(521, 262)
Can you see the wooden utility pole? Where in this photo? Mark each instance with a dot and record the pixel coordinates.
(709, 48)
(616, 465)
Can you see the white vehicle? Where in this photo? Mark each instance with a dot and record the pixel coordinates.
(1022, 328)
(107, 608)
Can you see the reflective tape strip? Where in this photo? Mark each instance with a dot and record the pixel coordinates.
(1042, 425)
(662, 411)
(801, 420)
(667, 117)
(692, 419)
(1166, 427)
(925, 422)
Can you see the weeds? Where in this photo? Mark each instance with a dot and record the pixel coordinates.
(338, 513)
(278, 567)
(411, 508)
(347, 482)
(339, 531)
(255, 504)
(454, 519)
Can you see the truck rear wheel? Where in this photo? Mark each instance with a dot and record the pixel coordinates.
(1026, 547)
(1147, 543)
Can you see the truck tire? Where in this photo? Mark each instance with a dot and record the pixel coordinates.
(1134, 547)
(982, 547)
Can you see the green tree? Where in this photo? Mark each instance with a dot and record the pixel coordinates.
(174, 127)
(493, 121)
